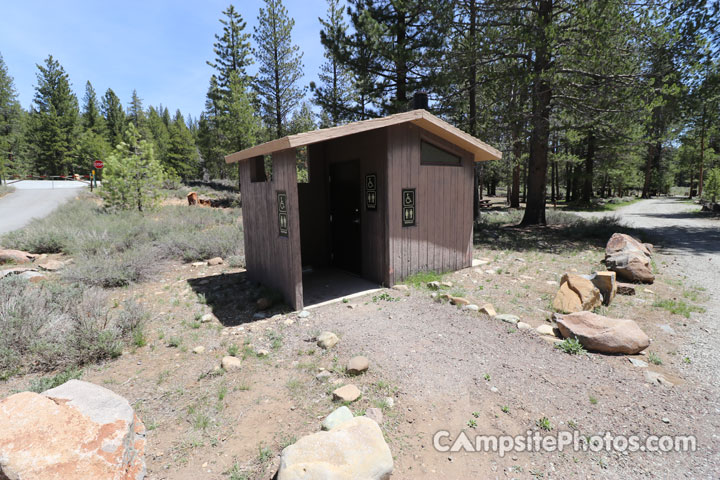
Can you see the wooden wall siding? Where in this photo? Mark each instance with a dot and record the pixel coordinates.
(271, 259)
(371, 149)
(314, 231)
(441, 240)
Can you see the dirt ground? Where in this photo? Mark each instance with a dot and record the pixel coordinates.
(444, 368)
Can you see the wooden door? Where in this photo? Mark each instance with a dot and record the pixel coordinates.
(345, 203)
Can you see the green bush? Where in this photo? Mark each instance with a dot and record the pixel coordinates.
(49, 326)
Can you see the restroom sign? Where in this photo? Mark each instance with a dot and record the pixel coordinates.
(371, 192)
(282, 213)
(408, 207)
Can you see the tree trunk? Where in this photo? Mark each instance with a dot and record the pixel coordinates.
(702, 155)
(587, 191)
(568, 182)
(540, 135)
(648, 171)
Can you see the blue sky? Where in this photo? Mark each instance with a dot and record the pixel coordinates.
(158, 47)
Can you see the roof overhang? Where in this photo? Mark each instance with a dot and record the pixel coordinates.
(480, 150)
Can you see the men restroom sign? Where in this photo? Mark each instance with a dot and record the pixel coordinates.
(282, 213)
(408, 207)
(371, 192)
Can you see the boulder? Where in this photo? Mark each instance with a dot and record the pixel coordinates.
(347, 393)
(327, 340)
(16, 256)
(459, 301)
(355, 449)
(523, 326)
(625, 288)
(603, 334)
(488, 310)
(587, 292)
(567, 300)
(51, 265)
(215, 261)
(620, 242)
(14, 271)
(357, 365)
(633, 267)
(230, 363)
(508, 318)
(77, 430)
(338, 416)
(546, 329)
(192, 198)
(471, 307)
(606, 283)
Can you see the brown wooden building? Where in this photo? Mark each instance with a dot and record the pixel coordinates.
(385, 198)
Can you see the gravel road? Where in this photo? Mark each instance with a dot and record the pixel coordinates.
(24, 204)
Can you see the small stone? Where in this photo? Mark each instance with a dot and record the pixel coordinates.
(327, 340)
(348, 393)
(657, 378)
(390, 402)
(199, 349)
(488, 310)
(459, 301)
(375, 414)
(262, 352)
(323, 376)
(479, 262)
(638, 363)
(545, 329)
(433, 285)
(494, 389)
(337, 417)
(357, 365)
(471, 307)
(198, 264)
(446, 284)
(625, 289)
(523, 326)
(208, 317)
(401, 288)
(215, 261)
(506, 317)
(304, 314)
(521, 260)
(230, 363)
(666, 420)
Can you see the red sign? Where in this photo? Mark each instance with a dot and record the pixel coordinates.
(99, 164)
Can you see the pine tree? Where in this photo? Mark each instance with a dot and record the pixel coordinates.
(136, 114)
(209, 136)
(91, 117)
(238, 122)
(303, 120)
(232, 49)
(405, 39)
(132, 176)
(159, 133)
(335, 94)
(114, 117)
(10, 123)
(280, 65)
(181, 157)
(54, 120)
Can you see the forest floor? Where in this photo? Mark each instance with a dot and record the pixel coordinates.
(445, 368)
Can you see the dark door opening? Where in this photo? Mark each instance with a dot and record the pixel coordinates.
(345, 202)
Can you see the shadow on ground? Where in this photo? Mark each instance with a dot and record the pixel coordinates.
(232, 297)
(689, 240)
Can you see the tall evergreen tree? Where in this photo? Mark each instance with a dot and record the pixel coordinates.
(114, 117)
(232, 49)
(406, 40)
(10, 123)
(54, 120)
(158, 132)
(91, 117)
(136, 114)
(280, 65)
(335, 94)
(181, 157)
(238, 122)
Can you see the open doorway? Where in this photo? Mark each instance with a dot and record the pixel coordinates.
(345, 228)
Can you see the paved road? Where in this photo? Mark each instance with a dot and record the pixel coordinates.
(693, 243)
(24, 204)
